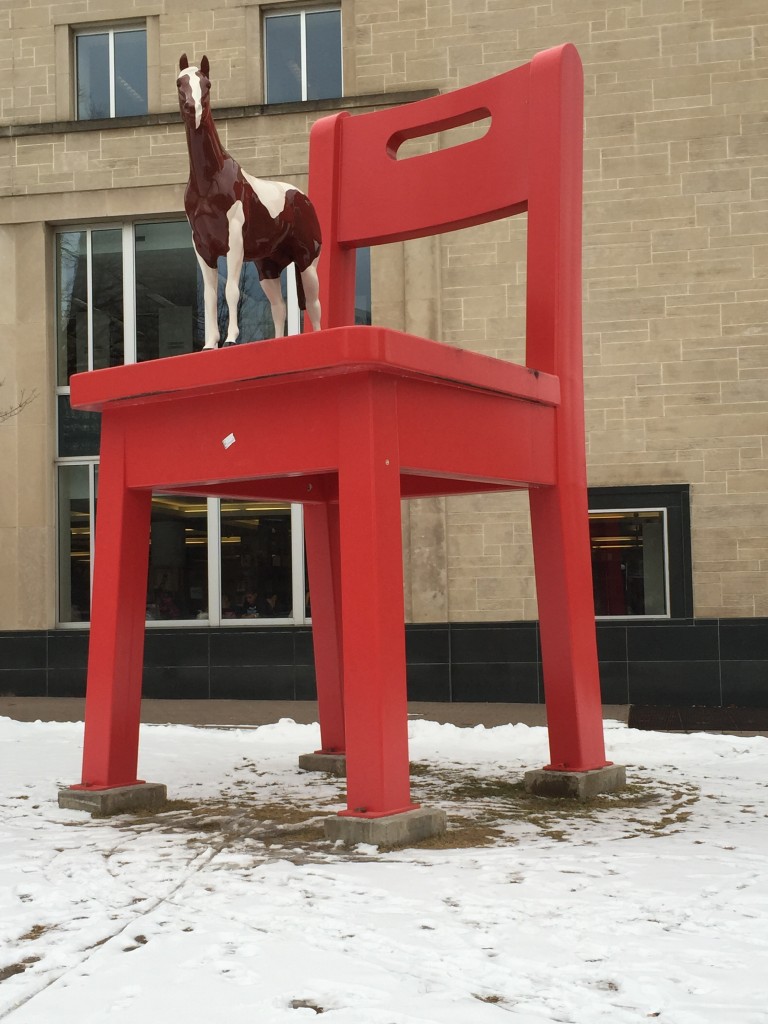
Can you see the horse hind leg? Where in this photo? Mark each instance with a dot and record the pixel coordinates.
(274, 293)
(311, 287)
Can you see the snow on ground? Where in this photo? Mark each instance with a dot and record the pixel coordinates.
(230, 906)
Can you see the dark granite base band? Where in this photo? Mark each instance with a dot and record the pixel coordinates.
(702, 664)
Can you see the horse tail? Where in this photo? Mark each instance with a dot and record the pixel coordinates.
(300, 289)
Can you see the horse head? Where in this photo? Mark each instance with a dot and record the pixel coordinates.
(194, 88)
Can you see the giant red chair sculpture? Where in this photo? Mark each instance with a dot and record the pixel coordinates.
(385, 416)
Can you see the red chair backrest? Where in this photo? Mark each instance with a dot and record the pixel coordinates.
(530, 158)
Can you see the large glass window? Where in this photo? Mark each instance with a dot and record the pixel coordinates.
(256, 573)
(302, 55)
(89, 280)
(132, 292)
(111, 73)
(125, 293)
(640, 540)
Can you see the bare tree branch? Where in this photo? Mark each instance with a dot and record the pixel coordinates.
(24, 399)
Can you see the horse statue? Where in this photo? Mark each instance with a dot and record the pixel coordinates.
(233, 214)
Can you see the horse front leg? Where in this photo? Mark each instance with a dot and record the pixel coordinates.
(210, 302)
(236, 219)
(274, 293)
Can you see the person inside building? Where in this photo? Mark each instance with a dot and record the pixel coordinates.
(250, 608)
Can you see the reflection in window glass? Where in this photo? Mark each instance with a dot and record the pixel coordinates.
(254, 317)
(79, 433)
(177, 586)
(72, 303)
(74, 543)
(169, 298)
(628, 562)
(282, 41)
(107, 298)
(89, 327)
(111, 73)
(130, 73)
(255, 561)
(363, 286)
(93, 91)
(323, 47)
(302, 56)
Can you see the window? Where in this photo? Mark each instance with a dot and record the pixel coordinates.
(131, 292)
(76, 490)
(257, 560)
(640, 540)
(302, 55)
(89, 286)
(125, 293)
(363, 304)
(111, 73)
(168, 290)
(629, 561)
(177, 580)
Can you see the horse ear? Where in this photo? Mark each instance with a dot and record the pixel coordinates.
(183, 62)
(204, 67)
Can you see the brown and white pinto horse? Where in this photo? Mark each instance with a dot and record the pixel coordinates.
(235, 215)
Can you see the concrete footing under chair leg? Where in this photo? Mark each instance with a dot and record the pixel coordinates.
(333, 764)
(101, 802)
(576, 785)
(402, 829)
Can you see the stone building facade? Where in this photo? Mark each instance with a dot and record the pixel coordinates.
(675, 315)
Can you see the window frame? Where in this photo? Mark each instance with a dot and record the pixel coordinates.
(673, 500)
(110, 31)
(302, 12)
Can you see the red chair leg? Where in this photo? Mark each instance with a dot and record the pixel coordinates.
(116, 652)
(567, 625)
(321, 533)
(375, 700)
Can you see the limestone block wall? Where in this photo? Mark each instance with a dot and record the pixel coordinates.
(26, 440)
(675, 269)
(675, 251)
(121, 157)
(36, 40)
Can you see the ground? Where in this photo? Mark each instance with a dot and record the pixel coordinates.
(648, 904)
